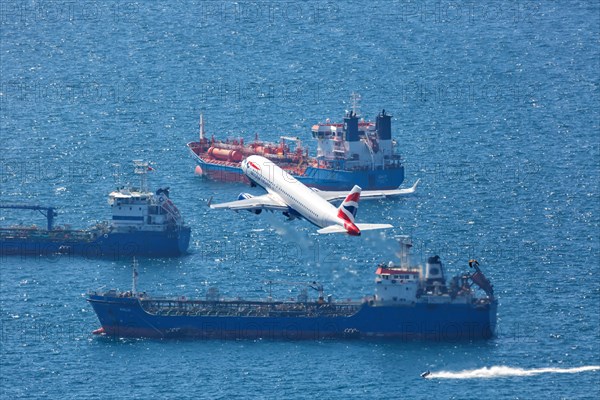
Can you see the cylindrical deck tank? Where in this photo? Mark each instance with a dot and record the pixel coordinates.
(225, 155)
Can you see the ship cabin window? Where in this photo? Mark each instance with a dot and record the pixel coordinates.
(393, 281)
(395, 276)
(395, 298)
(386, 277)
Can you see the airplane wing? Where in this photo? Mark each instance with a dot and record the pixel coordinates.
(368, 194)
(267, 201)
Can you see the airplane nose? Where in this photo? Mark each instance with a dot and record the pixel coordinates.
(352, 229)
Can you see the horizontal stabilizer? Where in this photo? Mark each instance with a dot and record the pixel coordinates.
(362, 227)
(333, 229)
(370, 227)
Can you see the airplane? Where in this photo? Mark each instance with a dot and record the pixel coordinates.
(295, 200)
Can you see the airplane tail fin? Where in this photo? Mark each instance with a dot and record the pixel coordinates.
(347, 210)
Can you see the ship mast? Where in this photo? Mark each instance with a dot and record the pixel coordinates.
(355, 97)
(405, 245)
(141, 169)
(201, 127)
(134, 277)
(117, 174)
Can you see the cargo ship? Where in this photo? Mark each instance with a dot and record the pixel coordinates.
(143, 224)
(409, 302)
(355, 152)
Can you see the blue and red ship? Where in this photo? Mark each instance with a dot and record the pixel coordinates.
(355, 152)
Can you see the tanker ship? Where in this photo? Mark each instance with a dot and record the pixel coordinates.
(408, 302)
(355, 152)
(143, 224)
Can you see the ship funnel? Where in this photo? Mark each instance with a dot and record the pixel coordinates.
(383, 125)
(351, 127)
(434, 270)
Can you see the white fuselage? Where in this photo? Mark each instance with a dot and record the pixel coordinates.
(300, 198)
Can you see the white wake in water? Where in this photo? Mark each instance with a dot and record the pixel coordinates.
(503, 371)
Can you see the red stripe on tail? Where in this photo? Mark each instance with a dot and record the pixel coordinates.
(341, 214)
(353, 197)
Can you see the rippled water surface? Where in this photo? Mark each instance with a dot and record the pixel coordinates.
(495, 108)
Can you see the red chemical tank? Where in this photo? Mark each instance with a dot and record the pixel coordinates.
(224, 154)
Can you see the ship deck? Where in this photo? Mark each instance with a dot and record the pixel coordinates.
(33, 233)
(276, 309)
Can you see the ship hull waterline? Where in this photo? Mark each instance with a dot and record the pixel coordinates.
(113, 244)
(444, 322)
(320, 178)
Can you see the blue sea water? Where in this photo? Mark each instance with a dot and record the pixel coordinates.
(496, 108)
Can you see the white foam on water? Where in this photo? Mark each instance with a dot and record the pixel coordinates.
(501, 371)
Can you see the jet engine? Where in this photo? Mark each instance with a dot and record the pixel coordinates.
(292, 214)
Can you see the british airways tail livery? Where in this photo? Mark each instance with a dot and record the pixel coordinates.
(295, 200)
(347, 210)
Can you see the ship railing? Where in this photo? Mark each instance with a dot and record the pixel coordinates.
(57, 234)
(172, 307)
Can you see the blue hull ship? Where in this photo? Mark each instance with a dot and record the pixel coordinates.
(408, 303)
(95, 242)
(143, 224)
(139, 317)
(355, 152)
(320, 178)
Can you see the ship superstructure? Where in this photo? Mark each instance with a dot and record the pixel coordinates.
(138, 209)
